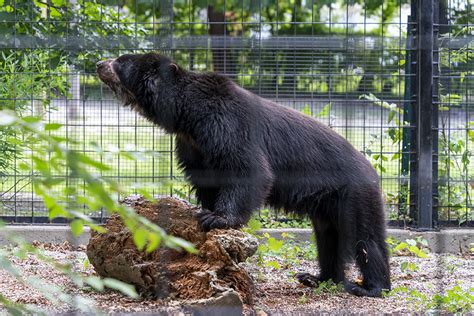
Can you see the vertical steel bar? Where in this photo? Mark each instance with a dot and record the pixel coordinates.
(425, 113)
(407, 144)
(413, 119)
(435, 114)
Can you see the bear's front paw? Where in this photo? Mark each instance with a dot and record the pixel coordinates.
(209, 220)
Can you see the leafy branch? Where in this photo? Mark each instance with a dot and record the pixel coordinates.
(51, 154)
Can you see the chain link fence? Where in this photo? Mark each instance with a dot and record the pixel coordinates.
(358, 66)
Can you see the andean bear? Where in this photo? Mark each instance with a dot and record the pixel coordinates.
(240, 151)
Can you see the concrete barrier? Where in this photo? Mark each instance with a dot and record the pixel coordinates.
(454, 240)
(443, 241)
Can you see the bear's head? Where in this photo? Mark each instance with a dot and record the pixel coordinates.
(140, 80)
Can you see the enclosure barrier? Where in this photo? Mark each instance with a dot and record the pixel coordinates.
(395, 79)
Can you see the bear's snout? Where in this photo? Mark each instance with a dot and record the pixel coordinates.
(106, 71)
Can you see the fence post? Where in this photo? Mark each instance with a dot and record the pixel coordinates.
(408, 197)
(424, 113)
(436, 67)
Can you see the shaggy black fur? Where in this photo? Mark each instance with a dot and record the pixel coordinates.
(240, 151)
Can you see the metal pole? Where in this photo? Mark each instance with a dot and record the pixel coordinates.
(435, 114)
(408, 146)
(424, 110)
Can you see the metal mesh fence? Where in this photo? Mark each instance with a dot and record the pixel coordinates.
(456, 116)
(346, 63)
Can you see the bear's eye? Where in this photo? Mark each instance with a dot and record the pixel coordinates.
(151, 81)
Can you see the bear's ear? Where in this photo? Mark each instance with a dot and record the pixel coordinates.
(170, 70)
(175, 69)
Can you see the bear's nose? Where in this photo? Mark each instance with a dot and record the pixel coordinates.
(100, 63)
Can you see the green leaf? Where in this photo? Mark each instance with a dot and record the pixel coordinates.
(274, 244)
(325, 111)
(31, 119)
(95, 282)
(254, 225)
(54, 12)
(273, 264)
(306, 110)
(77, 227)
(154, 242)
(140, 237)
(89, 161)
(86, 263)
(123, 287)
(6, 265)
(52, 126)
(171, 241)
(262, 248)
(412, 266)
(59, 3)
(391, 115)
(50, 181)
(400, 246)
(404, 266)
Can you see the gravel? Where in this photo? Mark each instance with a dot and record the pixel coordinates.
(276, 291)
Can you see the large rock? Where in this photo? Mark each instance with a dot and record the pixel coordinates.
(207, 277)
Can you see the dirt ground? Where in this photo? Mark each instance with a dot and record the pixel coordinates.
(277, 292)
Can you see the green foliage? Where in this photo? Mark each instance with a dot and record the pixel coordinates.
(391, 137)
(105, 26)
(282, 253)
(328, 287)
(409, 267)
(303, 299)
(253, 226)
(416, 299)
(26, 85)
(455, 186)
(411, 247)
(125, 288)
(455, 300)
(323, 113)
(51, 154)
(268, 219)
(454, 163)
(49, 290)
(274, 245)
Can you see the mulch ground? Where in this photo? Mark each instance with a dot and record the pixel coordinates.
(277, 292)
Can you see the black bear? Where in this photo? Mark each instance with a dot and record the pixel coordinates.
(241, 151)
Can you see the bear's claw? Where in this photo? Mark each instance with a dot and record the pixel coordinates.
(209, 220)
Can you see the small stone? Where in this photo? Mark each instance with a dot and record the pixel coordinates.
(227, 303)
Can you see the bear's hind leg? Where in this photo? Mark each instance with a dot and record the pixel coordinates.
(330, 259)
(372, 262)
(371, 253)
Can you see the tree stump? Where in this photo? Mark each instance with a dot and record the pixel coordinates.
(210, 278)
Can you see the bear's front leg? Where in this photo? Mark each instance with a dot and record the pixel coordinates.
(209, 220)
(233, 208)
